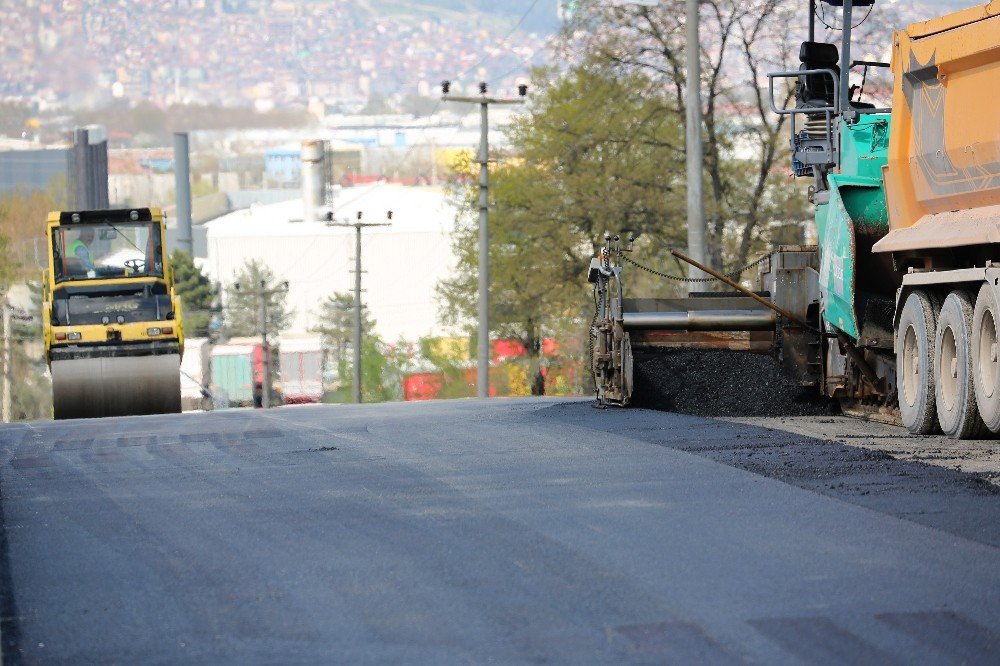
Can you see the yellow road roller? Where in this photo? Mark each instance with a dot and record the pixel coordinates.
(112, 322)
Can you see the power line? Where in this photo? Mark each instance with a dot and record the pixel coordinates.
(503, 42)
(437, 106)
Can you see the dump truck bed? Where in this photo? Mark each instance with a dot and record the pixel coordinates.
(942, 180)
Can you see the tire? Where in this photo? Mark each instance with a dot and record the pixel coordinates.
(985, 368)
(915, 339)
(954, 392)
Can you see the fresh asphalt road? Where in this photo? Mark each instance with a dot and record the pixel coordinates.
(505, 531)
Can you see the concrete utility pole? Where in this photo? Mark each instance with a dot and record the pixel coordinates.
(182, 187)
(265, 351)
(695, 202)
(483, 370)
(5, 410)
(358, 226)
(263, 293)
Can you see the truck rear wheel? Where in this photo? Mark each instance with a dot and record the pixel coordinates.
(985, 368)
(954, 393)
(915, 338)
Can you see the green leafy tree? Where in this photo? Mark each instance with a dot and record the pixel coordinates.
(8, 265)
(22, 256)
(453, 362)
(576, 174)
(381, 364)
(242, 304)
(22, 225)
(196, 292)
(381, 371)
(748, 184)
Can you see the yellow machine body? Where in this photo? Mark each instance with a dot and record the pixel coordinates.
(113, 328)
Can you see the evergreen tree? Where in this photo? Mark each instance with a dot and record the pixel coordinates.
(336, 324)
(381, 364)
(196, 292)
(242, 304)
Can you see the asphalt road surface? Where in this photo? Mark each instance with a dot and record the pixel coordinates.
(505, 531)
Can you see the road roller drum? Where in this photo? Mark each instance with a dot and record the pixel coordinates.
(116, 386)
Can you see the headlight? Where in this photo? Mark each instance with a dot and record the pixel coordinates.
(153, 331)
(73, 336)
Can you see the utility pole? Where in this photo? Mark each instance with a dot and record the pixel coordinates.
(484, 101)
(265, 351)
(695, 201)
(358, 226)
(5, 410)
(263, 293)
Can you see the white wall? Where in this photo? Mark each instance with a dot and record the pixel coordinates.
(402, 264)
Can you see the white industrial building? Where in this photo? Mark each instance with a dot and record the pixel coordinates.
(402, 263)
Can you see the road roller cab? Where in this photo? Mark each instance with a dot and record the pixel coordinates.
(113, 329)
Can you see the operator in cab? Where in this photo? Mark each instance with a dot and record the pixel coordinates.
(80, 248)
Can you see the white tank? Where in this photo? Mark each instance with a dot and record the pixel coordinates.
(313, 158)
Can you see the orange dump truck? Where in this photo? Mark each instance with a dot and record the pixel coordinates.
(942, 188)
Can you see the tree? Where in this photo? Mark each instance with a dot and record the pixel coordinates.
(746, 172)
(576, 174)
(381, 370)
(22, 256)
(31, 392)
(8, 265)
(381, 364)
(22, 223)
(196, 292)
(336, 323)
(242, 305)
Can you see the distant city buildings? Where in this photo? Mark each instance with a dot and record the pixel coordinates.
(265, 53)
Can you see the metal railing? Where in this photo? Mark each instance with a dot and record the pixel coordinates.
(826, 155)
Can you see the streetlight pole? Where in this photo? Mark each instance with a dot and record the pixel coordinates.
(484, 101)
(358, 226)
(695, 159)
(695, 200)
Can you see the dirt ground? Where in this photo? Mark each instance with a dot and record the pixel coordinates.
(976, 456)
